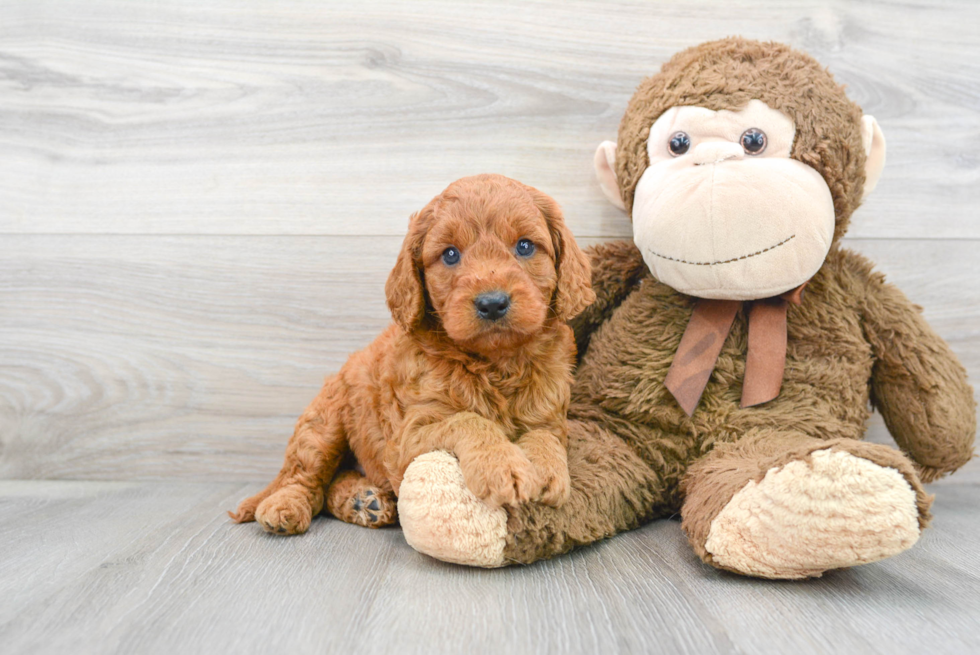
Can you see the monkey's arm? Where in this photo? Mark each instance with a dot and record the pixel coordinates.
(617, 267)
(917, 383)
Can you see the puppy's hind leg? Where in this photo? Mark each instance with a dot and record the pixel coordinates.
(289, 503)
(352, 498)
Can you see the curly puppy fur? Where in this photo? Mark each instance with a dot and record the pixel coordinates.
(493, 392)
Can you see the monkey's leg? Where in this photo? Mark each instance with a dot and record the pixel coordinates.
(612, 490)
(352, 498)
(784, 505)
(315, 450)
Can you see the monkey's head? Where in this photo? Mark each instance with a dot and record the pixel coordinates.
(740, 164)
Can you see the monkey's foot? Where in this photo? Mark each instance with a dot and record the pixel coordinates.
(442, 518)
(830, 511)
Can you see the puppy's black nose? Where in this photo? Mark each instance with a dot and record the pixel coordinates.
(491, 306)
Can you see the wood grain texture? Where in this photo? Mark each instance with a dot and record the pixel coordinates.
(151, 357)
(232, 117)
(157, 568)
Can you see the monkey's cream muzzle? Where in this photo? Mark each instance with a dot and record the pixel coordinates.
(716, 222)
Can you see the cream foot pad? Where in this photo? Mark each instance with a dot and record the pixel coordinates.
(442, 518)
(802, 519)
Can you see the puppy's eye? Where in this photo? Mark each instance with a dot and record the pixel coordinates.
(754, 141)
(525, 248)
(450, 256)
(679, 144)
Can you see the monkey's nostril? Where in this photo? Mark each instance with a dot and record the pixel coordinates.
(716, 152)
(492, 306)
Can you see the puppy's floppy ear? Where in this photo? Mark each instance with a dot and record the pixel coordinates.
(574, 292)
(404, 291)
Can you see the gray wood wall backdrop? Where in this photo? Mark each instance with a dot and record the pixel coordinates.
(200, 201)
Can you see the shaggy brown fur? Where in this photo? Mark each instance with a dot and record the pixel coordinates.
(855, 342)
(495, 393)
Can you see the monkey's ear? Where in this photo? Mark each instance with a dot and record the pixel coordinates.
(574, 291)
(605, 170)
(403, 290)
(874, 149)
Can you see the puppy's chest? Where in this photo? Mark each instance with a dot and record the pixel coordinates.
(499, 396)
(505, 397)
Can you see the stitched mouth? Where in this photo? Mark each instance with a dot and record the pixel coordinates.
(726, 261)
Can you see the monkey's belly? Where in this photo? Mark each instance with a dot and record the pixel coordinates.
(620, 380)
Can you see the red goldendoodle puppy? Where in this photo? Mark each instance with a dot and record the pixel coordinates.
(478, 362)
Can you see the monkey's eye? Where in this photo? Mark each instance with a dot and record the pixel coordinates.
(450, 256)
(525, 248)
(679, 144)
(753, 141)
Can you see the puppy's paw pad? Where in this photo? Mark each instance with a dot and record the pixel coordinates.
(371, 509)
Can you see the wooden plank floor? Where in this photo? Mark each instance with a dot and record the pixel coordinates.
(200, 201)
(152, 568)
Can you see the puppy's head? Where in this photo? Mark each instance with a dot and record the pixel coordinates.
(490, 259)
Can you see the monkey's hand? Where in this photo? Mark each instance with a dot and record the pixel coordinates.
(617, 267)
(917, 383)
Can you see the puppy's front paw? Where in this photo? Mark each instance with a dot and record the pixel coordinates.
(501, 476)
(555, 485)
(288, 511)
(550, 460)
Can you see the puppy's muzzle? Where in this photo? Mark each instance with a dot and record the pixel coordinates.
(492, 306)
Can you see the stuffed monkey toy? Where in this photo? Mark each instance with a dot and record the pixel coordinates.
(731, 361)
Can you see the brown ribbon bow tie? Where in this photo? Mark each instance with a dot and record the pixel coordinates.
(705, 335)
